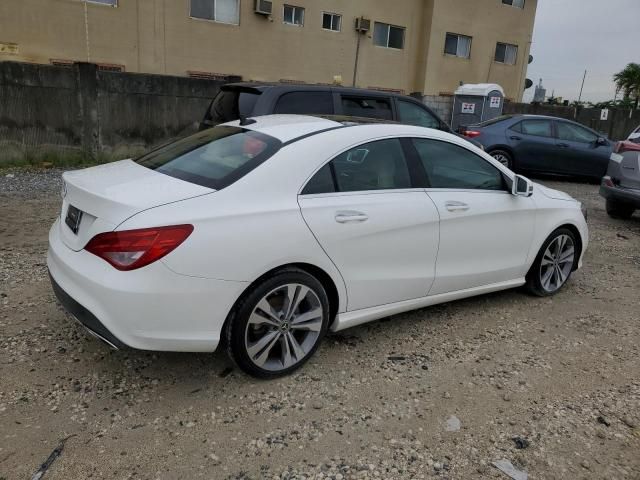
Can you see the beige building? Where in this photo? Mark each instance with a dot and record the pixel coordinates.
(426, 46)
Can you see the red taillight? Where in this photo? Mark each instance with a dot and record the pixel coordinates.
(471, 133)
(131, 249)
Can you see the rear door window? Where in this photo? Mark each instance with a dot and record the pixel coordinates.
(413, 114)
(538, 128)
(305, 103)
(379, 165)
(368, 107)
(213, 158)
(230, 105)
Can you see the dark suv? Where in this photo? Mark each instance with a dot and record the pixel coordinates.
(237, 100)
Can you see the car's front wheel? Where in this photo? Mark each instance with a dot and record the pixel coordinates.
(277, 326)
(553, 265)
(619, 210)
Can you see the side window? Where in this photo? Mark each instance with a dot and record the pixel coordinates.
(575, 133)
(450, 166)
(319, 103)
(321, 182)
(370, 107)
(379, 165)
(413, 114)
(539, 128)
(517, 127)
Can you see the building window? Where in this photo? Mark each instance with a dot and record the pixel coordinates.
(458, 45)
(222, 11)
(332, 21)
(293, 15)
(385, 35)
(514, 3)
(112, 3)
(506, 53)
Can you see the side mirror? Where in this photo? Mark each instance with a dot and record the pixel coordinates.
(601, 141)
(522, 186)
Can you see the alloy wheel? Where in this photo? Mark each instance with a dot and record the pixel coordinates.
(556, 263)
(503, 159)
(284, 327)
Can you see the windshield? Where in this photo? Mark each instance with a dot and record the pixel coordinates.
(213, 158)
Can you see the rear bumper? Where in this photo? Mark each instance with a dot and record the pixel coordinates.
(620, 194)
(152, 308)
(83, 316)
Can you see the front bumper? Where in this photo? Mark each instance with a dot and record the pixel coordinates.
(152, 308)
(624, 195)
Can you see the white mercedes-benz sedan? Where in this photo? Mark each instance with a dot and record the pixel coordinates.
(262, 234)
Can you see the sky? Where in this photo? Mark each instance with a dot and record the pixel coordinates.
(571, 36)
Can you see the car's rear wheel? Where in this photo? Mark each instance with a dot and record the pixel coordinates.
(503, 157)
(278, 325)
(619, 210)
(553, 265)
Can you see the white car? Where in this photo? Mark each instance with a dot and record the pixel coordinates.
(265, 233)
(635, 135)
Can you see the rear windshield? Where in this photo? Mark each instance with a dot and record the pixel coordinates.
(213, 158)
(231, 105)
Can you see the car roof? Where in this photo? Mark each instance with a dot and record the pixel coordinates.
(293, 87)
(288, 128)
(541, 117)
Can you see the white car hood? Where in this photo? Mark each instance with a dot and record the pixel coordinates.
(554, 194)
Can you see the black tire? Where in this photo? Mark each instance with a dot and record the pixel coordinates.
(236, 329)
(534, 275)
(619, 210)
(503, 157)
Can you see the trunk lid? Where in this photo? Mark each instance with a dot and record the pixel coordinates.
(108, 194)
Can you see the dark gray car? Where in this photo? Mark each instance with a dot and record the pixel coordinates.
(621, 185)
(540, 144)
(250, 99)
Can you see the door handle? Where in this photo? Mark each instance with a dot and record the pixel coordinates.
(350, 216)
(563, 145)
(455, 206)
(515, 137)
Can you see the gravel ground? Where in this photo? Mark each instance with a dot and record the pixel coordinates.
(551, 385)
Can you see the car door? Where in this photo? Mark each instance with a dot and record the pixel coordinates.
(372, 218)
(579, 151)
(485, 232)
(533, 144)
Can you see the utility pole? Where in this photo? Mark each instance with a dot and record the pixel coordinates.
(583, 78)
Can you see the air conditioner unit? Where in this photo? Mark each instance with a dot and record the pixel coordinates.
(264, 7)
(363, 25)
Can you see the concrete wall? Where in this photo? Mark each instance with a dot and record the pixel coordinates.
(159, 36)
(55, 108)
(441, 104)
(619, 124)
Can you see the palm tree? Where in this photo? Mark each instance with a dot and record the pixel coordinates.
(628, 81)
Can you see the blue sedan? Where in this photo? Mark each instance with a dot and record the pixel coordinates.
(547, 145)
